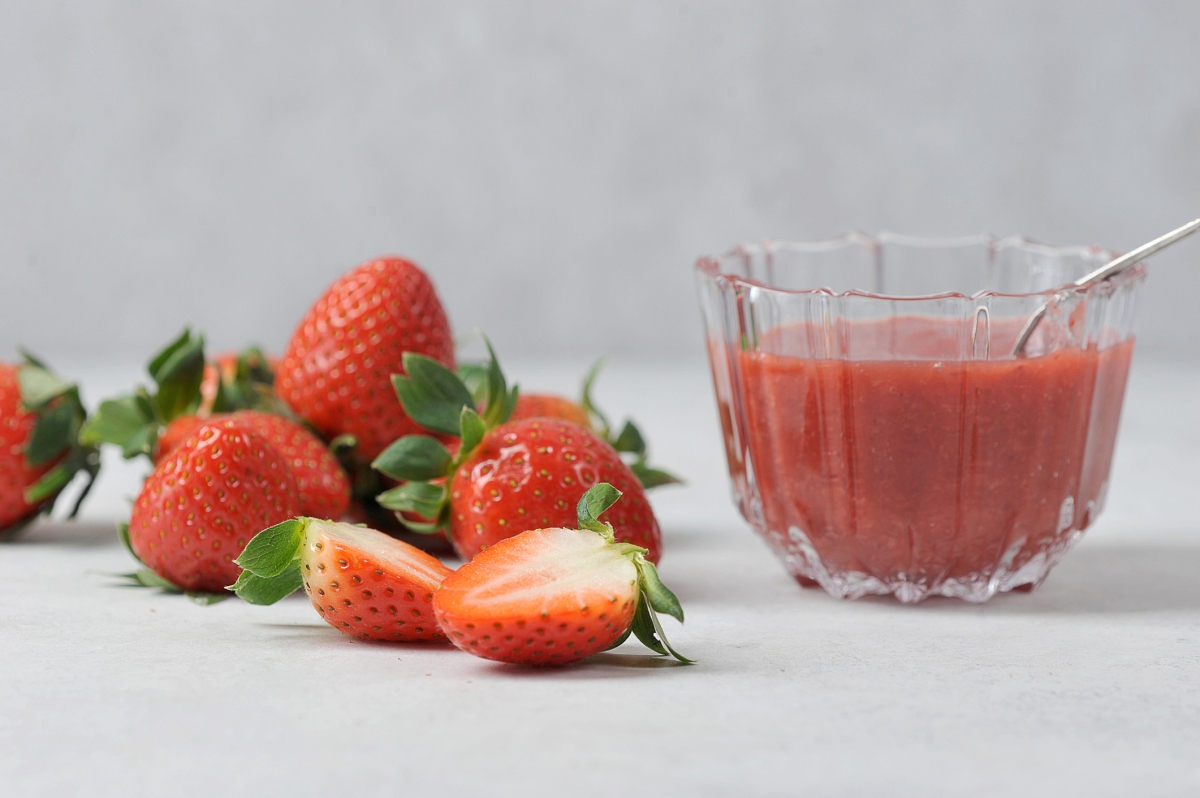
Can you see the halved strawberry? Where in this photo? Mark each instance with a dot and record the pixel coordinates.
(364, 583)
(555, 596)
(507, 477)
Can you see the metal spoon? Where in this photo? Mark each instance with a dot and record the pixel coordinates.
(1110, 269)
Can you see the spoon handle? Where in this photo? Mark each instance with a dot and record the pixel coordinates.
(1113, 267)
(1122, 263)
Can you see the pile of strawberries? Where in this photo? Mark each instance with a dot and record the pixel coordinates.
(268, 476)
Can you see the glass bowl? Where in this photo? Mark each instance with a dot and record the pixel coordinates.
(881, 435)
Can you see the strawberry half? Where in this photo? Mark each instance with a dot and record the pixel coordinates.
(506, 477)
(556, 596)
(40, 418)
(337, 370)
(362, 582)
(204, 503)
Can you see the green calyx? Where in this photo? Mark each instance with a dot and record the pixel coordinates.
(144, 577)
(270, 563)
(440, 401)
(653, 596)
(134, 422)
(55, 437)
(629, 441)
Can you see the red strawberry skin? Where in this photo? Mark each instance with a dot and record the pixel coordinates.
(176, 433)
(530, 474)
(205, 501)
(543, 405)
(370, 586)
(323, 485)
(16, 475)
(544, 597)
(336, 372)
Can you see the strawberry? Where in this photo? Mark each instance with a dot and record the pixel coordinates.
(323, 486)
(239, 380)
(362, 582)
(545, 405)
(337, 370)
(628, 441)
(508, 476)
(555, 596)
(155, 424)
(40, 418)
(204, 502)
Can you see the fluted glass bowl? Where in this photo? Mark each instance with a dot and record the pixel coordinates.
(881, 434)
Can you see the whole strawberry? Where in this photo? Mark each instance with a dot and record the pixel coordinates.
(530, 474)
(555, 596)
(508, 476)
(338, 367)
(205, 501)
(362, 582)
(322, 484)
(40, 418)
(629, 441)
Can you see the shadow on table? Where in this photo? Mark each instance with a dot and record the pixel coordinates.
(67, 533)
(606, 665)
(1109, 578)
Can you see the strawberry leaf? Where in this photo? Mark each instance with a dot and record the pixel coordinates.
(598, 498)
(256, 589)
(652, 477)
(122, 422)
(644, 629)
(471, 429)
(178, 371)
(205, 599)
(270, 552)
(422, 498)
(662, 636)
(38, 385)
(51, 435)
(603, 428)
(630, 439)
(660, 596)
(414, 457)
(144, 577)
(432, 395)
(499, 407)
(475, 377)
(123, 534)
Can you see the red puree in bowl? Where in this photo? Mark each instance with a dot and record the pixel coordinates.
(921, 469)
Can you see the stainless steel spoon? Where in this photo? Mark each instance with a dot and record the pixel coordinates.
(1108, 270)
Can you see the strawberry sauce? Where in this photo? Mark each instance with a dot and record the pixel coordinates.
(922, 470)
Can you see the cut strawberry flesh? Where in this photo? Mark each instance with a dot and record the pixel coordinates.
(369, 585)
(548, 596)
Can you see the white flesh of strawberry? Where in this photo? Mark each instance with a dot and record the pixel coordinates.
(321, 535)
(548, 570)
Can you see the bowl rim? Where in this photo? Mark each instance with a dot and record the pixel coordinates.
(710, 265)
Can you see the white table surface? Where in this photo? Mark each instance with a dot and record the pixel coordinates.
(1088, 686)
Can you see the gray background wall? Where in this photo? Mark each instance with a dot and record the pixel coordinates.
(557, 166)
